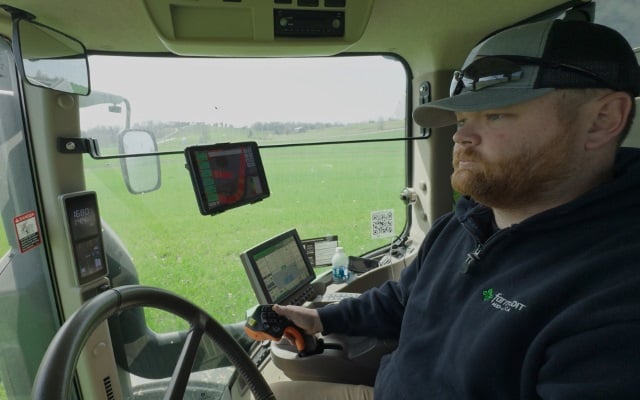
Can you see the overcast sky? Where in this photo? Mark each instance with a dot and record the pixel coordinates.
(241, 92)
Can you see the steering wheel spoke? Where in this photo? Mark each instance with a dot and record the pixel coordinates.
(181, 373)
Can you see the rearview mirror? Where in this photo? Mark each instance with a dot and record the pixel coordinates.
(141, 173)
(50, 59)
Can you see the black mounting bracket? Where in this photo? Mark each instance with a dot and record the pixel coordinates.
(424, 93)
(89, 146)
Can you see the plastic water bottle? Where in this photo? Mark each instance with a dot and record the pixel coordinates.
(339, 265)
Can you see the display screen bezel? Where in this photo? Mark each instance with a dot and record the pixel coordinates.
(204, 204)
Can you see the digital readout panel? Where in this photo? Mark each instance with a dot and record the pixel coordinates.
(85, 231)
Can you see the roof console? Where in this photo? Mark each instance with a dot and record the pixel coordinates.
(259, 27)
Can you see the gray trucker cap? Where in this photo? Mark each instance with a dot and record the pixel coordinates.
(550, 54)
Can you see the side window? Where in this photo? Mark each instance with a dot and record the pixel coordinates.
(7, 107)
(617, 14)
(27, 322)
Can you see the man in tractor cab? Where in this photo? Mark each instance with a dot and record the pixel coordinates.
(530, 288)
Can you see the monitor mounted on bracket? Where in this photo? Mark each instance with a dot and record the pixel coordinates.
(279, 270)
(226, 175)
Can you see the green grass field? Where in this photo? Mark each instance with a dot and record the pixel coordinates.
(319, 190)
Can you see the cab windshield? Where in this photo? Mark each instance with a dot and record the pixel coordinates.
(330, 133)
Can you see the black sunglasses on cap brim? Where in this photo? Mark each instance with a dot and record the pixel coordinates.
(493, 70)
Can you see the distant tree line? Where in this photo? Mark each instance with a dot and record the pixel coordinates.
(289, 127)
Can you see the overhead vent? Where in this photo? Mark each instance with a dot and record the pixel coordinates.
(259, 27)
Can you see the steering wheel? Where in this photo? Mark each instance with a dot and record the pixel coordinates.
(56, 371)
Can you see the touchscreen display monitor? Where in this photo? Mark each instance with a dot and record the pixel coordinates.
(226, 175)
(278, 268)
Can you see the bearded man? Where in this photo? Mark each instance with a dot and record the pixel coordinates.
(530, 288)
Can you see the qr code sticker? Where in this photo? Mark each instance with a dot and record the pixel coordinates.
(382, 224)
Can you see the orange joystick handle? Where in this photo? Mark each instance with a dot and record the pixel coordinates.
(295, 336)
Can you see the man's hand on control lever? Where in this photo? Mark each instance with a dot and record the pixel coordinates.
(306, 319)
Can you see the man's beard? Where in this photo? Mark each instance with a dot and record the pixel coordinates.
(518, 179)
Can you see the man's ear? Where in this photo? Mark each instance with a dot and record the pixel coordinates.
(611, 114)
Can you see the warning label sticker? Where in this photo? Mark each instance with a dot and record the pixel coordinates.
(27, 231)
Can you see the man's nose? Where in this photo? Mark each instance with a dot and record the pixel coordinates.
(466, 133)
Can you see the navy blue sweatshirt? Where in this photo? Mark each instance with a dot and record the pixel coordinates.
(545, 309)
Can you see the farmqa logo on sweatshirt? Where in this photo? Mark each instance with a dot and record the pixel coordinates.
(501, 303)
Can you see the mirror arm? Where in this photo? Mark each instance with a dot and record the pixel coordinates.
(90, 146)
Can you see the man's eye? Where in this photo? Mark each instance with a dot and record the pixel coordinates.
(460, 123)
(494, 117)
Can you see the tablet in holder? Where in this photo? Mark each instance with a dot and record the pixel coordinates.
(226, 175)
